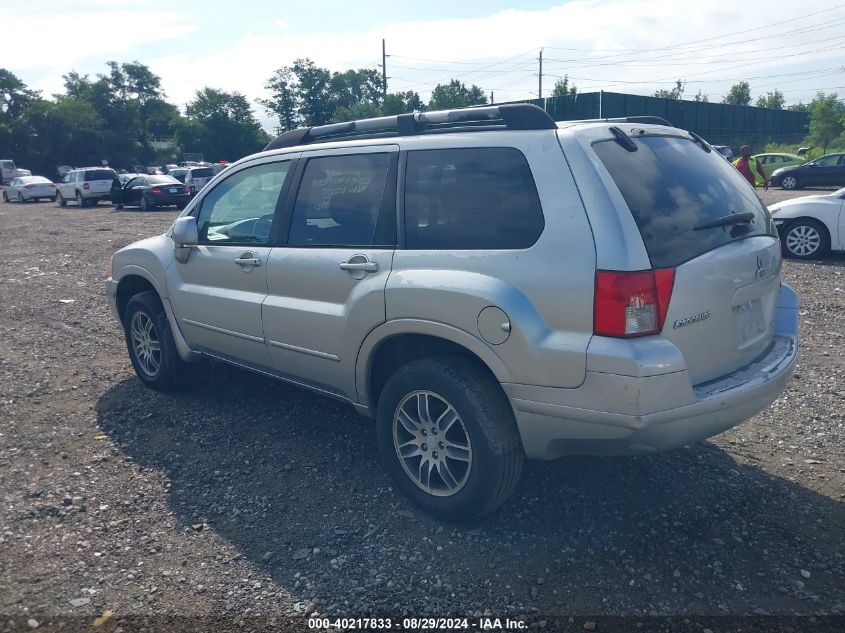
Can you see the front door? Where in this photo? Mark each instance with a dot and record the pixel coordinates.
(326, 284)
(217, 294)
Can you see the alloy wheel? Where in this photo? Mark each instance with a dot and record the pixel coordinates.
(803, 240)
(432, 443)
(145, 343)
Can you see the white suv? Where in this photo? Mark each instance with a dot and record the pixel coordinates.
(87, 186)
(486, 284)
(198, 177)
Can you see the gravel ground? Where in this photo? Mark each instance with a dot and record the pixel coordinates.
(248, 501)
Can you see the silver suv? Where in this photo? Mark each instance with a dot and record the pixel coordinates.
(487, 284)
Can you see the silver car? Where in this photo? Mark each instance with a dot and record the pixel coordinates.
(486, 284)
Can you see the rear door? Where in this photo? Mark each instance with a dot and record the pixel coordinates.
(217, 294)
(326, 283)
(727, 278)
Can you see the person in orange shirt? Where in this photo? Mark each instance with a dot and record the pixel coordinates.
(743, 166)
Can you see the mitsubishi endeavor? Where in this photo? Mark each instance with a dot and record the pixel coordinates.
(486, 284)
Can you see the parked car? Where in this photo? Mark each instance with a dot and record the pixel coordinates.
(535, 290)
(771, 162)
(179, 173)
(28, 188)
(725, 151)
(198, 177)
(87, 186)
(811, 226)
(8, 171)
(169, 167)
(826, 171)
(149, 192)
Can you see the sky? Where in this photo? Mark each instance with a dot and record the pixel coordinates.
(635, 46)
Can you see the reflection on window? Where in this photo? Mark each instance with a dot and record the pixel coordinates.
(240, 209)
(339, 201)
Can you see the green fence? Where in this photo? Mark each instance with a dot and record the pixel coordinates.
(719, 123)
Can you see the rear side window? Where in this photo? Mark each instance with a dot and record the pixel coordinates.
(472, 198)
(344, 201)
(100, 174)
(671, 187)
(202, 173)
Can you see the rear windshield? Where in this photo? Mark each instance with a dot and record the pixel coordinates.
(205, 172)
(100, 174)
(671, 187)
(162, 180)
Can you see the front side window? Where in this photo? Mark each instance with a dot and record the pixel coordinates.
(240, 209)
(827, 161)
(340, 202)
(474, 198)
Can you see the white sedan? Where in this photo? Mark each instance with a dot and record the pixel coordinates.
(28, 188)
(811, 226)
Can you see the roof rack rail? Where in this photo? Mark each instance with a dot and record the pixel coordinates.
(654, 120)
(514, 116)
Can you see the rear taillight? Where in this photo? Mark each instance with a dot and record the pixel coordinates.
(155, 190)
(85, 185)
(631, 304)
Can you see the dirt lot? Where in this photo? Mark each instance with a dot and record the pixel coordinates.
(248, 501)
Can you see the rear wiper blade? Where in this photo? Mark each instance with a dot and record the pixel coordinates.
(728, 220)
(623, 139)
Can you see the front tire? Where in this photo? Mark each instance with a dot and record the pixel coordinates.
(20, 197)
(806, 239)
(150, 343)
(60, 200)
(144, 205)
(5, 197)
(448, 438)
(789, 182)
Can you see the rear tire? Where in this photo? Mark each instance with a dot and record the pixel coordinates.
(5, 197)
(80, 201)
(447, 415)
(117, 206)
(806, 239)
(60, 200)
(144, 205)
(150, 343)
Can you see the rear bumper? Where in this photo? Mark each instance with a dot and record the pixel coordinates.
(652, 410)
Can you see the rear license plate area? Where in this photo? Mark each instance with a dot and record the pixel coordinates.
(750, 322)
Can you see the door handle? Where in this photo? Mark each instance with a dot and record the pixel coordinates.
(248, 259)
(367, 267)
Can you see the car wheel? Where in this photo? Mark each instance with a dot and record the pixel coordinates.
(60, 200)
(448, 438)
(5, 197)
(806, 239)
(144, 205)
(789, 182)
(117, 205)
(150, 342)
(20, 197)
(79, 199)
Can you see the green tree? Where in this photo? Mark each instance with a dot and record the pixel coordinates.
(739, 94)
(402, 103)
(314, 83)
(563, 88)
(772, 100)
(455, 94)
(700, 96)
(676, 93)
(221, 125)
(284, 99)
(827, 119)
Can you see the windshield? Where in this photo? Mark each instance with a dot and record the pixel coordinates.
(672, 188)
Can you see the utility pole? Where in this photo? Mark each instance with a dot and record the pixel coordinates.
(383, 70)
(491, 97)
(540, 89)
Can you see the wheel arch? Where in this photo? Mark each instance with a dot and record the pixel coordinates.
(397, 342)
(130, 285)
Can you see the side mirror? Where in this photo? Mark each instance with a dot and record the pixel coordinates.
(184, 236)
